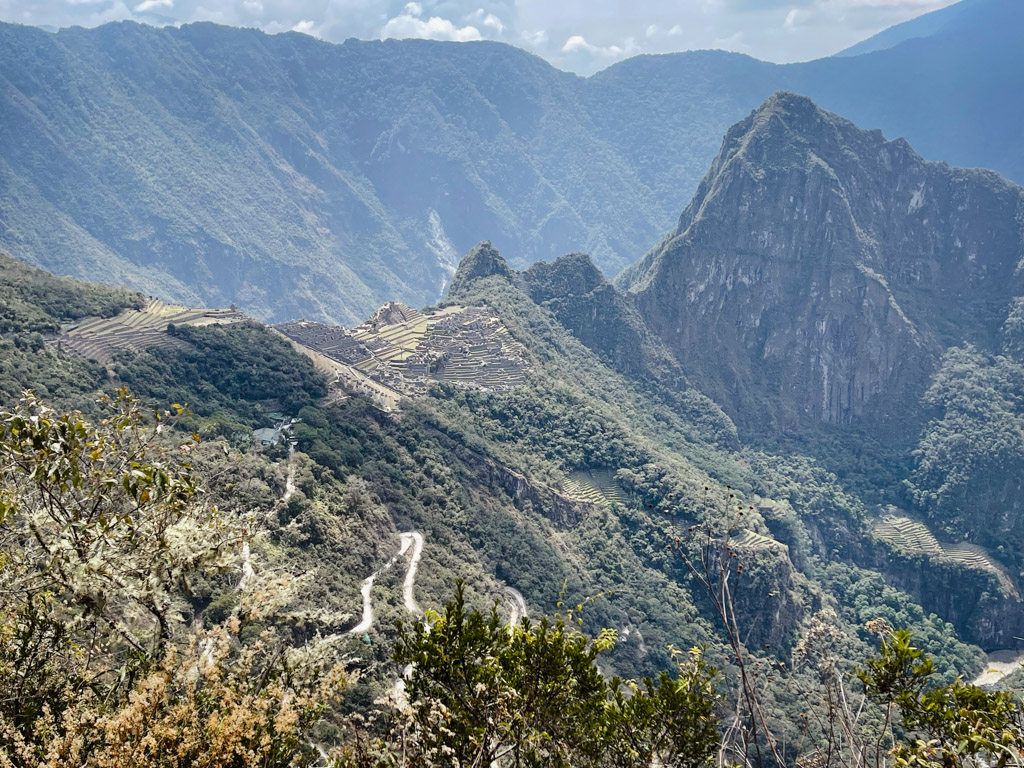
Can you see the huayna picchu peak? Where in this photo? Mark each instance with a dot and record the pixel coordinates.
(821, 269)
(482, 261)
(573, 289)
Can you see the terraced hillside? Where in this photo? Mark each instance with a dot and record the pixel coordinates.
(135, 330)
(751, 540)
(911, 537)
(597, 486)
(399, 351)
(908, 536)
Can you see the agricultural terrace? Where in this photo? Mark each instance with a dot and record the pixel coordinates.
(399, 351)
(597, 486)
(746, 539)
(135, 330)
(911, 537)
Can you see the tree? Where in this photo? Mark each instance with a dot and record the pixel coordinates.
(479, 693)
(101, 529)
(944, 725)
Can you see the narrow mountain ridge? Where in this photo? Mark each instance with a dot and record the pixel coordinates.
(573, 289)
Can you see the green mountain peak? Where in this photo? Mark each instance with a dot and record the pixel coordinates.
(482, 261)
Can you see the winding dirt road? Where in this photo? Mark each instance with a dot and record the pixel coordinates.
(410, 539)
(416, 539)
(289, 483)
(517, 606)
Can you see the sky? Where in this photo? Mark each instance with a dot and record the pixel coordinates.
(577, 35)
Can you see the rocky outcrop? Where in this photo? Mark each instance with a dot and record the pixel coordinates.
(561, 510)
(482, 261)
(982, 607)
(820, 269)
(391, 313)
(573, 289)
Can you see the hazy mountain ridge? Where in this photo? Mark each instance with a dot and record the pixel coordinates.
(298, 178)
(925, 25)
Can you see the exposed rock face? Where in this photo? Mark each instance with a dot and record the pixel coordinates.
(573, 289)
(968, 598)
(820, 269)
(390, 313)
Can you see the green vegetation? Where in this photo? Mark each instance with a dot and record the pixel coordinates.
(480, 693)
(482, 477)
(102, 530)
(970, 458)
(33, 306)
(944, 725)
(101, 339)
(864, 596)
(34, 301)
(176, 592)
(224, 374)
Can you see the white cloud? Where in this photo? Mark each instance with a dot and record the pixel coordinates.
(733, 42)
(488, 20)
(536, 39)
(411, 24)
(580, 35)
(149, 5)
(895, 3)
(493, 22)
(578, 44)
(657, 31)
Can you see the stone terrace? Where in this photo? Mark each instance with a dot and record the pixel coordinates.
(404, 350)
(134, 330)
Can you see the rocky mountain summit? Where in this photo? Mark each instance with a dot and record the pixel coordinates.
(821, 269)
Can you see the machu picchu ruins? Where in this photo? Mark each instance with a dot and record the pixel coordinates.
(399, 351)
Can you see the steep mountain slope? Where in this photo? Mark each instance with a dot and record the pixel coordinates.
(574, 290)
(810, 510)
(291, 176)
(950, 95)
(820, 270)
(209, 165)
(573, 486)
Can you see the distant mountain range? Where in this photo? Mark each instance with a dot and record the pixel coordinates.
(293, 177)
(926, 25)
